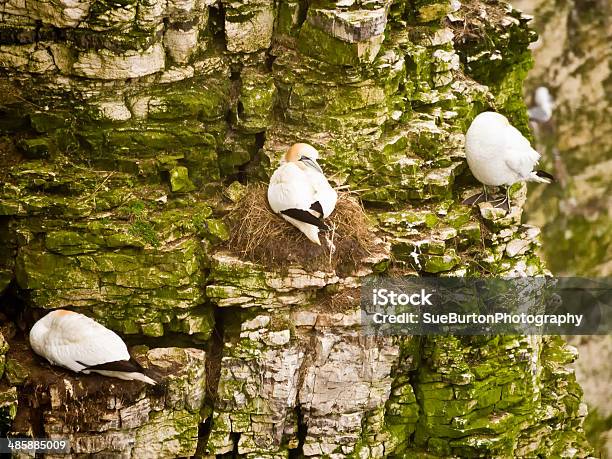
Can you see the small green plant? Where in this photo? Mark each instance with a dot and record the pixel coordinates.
(136, 208)
(145, 231)
(199, 223)
(141, 227)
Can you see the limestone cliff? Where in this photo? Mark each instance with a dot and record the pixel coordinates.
(128, 128)
(572, 58)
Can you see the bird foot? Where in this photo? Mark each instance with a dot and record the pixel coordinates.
(330, 243)
(501, 203)
(475, 199)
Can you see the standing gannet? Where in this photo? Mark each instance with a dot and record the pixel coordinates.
(300, 193)
(544, 104)
(499, 155)
(81, 344)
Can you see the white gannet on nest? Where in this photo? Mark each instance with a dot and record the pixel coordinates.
(74, 341)
(300, 193)
(499, 155)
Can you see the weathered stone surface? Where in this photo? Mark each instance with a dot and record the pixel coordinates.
(350, 25)
(108, 66)
(148, 110)
(267, 384)
(338, 51)
(248, 25)
(179, 180)
(139, 271)
(109, 416)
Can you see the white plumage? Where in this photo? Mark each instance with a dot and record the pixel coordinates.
(498, 154)
(543, 106)
(300, 193)
(81, 344)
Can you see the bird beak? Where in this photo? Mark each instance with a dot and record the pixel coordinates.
(311, 163)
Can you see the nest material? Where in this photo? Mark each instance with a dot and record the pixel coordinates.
(261, 236)
(476, 15)
(348, 299)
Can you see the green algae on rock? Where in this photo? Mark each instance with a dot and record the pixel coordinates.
(125, 126)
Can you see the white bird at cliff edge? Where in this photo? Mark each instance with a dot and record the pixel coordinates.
(74, 341)
(544, 104)
(300, 193)
(499, 155)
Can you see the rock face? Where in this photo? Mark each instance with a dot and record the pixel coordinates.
(126, 129)
(573, 61)
(572, 58)
(107, 416)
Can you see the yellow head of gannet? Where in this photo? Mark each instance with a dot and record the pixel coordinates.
(304, 155)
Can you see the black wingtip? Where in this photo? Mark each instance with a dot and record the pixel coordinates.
(317, 207)
(545, 175)
(306, 217)
(126, 366)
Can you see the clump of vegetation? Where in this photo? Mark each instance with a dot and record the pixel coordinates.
(261, 236)
(145, 231)
(476, 16)
(141, 227)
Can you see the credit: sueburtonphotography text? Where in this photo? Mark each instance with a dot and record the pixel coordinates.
(538, 305)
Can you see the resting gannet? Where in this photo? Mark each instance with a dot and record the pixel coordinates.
(74, 341)
(300, 193)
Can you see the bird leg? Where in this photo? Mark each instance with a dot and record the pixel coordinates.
(477, 198)
(504, 201)
(329, 238)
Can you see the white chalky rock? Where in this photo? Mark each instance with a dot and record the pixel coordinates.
(251, 35)
(114, 111)
(181, 44)
(105, 65)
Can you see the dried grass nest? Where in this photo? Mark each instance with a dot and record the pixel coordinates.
(261, 236)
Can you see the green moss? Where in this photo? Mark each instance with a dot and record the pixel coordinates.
(195, 97)
(35, 148)
(145, 231)
(15, 372)
(253, 112)
(179, 180)
(288, 16)
(45, 122)
(440, 263)
(322, 46)
(153, 329)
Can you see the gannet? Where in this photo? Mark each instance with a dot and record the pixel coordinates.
(74, 341)
(300, 193)
(544, 104)
(499, 155)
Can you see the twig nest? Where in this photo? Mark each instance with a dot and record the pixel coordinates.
(259, 235)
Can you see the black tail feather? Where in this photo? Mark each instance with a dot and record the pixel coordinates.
(306, 217)
(126, 366)
(118, 365)
(546, 175)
